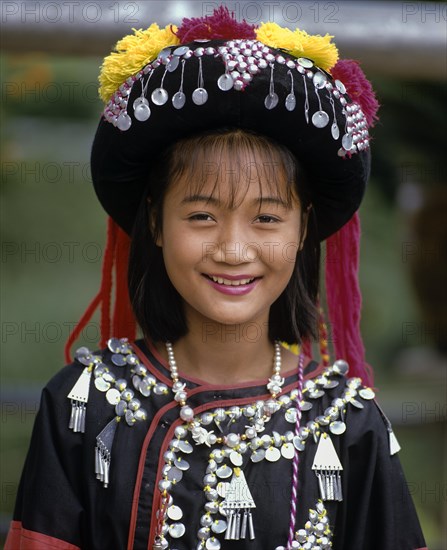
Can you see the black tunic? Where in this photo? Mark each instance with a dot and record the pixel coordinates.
(62, 505)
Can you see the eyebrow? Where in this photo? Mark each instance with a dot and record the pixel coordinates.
(217, 202)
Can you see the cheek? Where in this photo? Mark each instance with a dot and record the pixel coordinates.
(281, 252)
(288, 256)
(180, 250)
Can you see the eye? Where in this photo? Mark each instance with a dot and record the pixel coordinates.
(267, 219)
(200, 217)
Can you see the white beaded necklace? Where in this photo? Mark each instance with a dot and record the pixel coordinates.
(200, 435)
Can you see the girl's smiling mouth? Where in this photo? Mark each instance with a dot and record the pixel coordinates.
(232, 284)
(231, 280)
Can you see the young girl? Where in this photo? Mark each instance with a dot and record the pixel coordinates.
(228, 153)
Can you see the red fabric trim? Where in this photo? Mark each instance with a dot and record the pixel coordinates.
(150, 367)
(157, 494)
(24, 539)
(137, 489)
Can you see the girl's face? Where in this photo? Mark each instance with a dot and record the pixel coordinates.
(213, 241)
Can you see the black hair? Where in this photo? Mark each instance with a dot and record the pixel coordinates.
(157, 305)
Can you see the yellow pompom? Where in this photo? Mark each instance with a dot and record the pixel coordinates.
(300, 44)
(318, 48)
(271, 34)
(131, 54)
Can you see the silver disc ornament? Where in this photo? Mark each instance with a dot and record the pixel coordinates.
(124, 122)
(164, 54)
(320, 119)
(319, 80)
(290, 102)
(291, 415)
(177, 530)
(142, 111)
(174, 474)
(367, 393)
(212, 544)
(219, 526)
(236, 458)
(225, 82)
(101, 384)
(159, 96)
(224, 472)
(272, 454)
(179, 100)
(288, 451)
(338, 427)
(174, 512)
(340, 86)
(121, 408)
(185, 447)
(113, 396)
(181, 50)
(139, 100)
(200, 96)
(341, 367)
(335, 131)
(298, 443)
(305, 62)
(181, 464)
(258, 455)
(346, 141)
(173, 64)
(271, 101)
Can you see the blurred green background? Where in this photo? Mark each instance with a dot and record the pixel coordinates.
(53, 233)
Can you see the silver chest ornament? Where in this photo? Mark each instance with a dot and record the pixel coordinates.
(327, 467)
(237, 505)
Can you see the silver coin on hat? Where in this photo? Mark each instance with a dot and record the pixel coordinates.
(320, 119)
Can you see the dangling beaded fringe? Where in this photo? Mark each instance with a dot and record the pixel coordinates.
(329, 483)
(103, 451)
(238, 520)
(77, 417)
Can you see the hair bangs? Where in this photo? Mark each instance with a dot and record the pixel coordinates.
(225, 164)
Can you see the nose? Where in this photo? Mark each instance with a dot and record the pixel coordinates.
(233, 245)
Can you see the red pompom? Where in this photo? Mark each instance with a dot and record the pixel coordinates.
(220, 26)
(358, 87)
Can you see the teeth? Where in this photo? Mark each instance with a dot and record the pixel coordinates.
(231, 283)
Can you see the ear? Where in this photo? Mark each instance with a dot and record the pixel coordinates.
(158, 240)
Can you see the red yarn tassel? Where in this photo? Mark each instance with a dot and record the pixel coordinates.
(123, 319)
(92, 307)
(344, 298)
(116, 256)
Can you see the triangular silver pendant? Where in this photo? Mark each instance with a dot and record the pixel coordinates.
(237, 504)
(327, 467)
(394, 444)
(79, 398)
